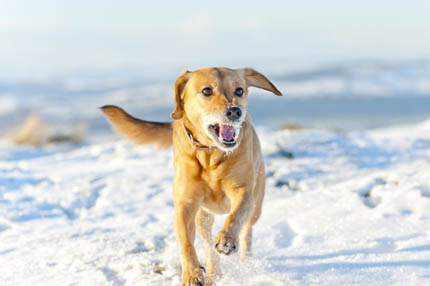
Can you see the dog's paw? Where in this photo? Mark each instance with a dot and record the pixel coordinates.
(210, 279)
(226, 243)
(194, 278)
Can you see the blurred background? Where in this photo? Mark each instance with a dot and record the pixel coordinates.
(341, 65)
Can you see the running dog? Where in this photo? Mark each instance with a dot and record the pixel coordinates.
(218, 162)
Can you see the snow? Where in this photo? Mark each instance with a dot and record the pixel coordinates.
(340, 209)
(361, 79)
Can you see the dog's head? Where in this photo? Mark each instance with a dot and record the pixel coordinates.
(214, 100)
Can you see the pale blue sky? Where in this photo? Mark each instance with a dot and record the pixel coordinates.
(54, 38)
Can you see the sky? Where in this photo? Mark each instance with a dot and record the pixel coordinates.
(55, 38)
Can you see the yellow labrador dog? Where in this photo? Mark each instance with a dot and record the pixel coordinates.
(219, 167)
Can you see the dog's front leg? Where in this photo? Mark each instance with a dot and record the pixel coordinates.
(226, 241)
(186, 206)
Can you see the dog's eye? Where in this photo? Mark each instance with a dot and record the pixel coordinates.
(238, 91)
(207, 91)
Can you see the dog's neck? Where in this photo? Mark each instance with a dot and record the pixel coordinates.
(189, 130)
(193, 139)
(207, 156)
(195, 142)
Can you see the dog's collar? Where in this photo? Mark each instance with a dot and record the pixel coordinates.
(194, 141)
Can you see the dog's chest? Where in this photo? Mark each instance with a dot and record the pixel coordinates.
(210, 160)
(215, 201)
(217, 170)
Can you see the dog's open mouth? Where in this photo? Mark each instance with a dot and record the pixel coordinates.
(224, 133)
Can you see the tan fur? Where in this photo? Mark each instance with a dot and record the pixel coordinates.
(208, 181)
(140, 131)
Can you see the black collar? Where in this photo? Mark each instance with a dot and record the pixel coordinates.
(194, 141)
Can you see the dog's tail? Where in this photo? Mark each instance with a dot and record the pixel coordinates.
(139, 131)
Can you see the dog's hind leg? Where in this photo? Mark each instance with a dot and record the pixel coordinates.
(246, 232)
(204, 222)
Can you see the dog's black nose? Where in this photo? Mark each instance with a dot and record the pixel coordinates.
(233, 113)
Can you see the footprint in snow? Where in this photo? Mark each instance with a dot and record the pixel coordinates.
(284, 235)
(368, 199)
(425, 190)
(3, 227)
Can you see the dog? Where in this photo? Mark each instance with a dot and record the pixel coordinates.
(218, 162)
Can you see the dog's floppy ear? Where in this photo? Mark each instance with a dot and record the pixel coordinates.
(256, 79)
(180, 83)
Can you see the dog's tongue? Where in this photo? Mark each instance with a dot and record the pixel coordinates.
(227, 132)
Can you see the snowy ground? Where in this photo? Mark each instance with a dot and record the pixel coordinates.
(341, 209)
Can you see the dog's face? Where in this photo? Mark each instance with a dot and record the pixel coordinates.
(214, 100)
